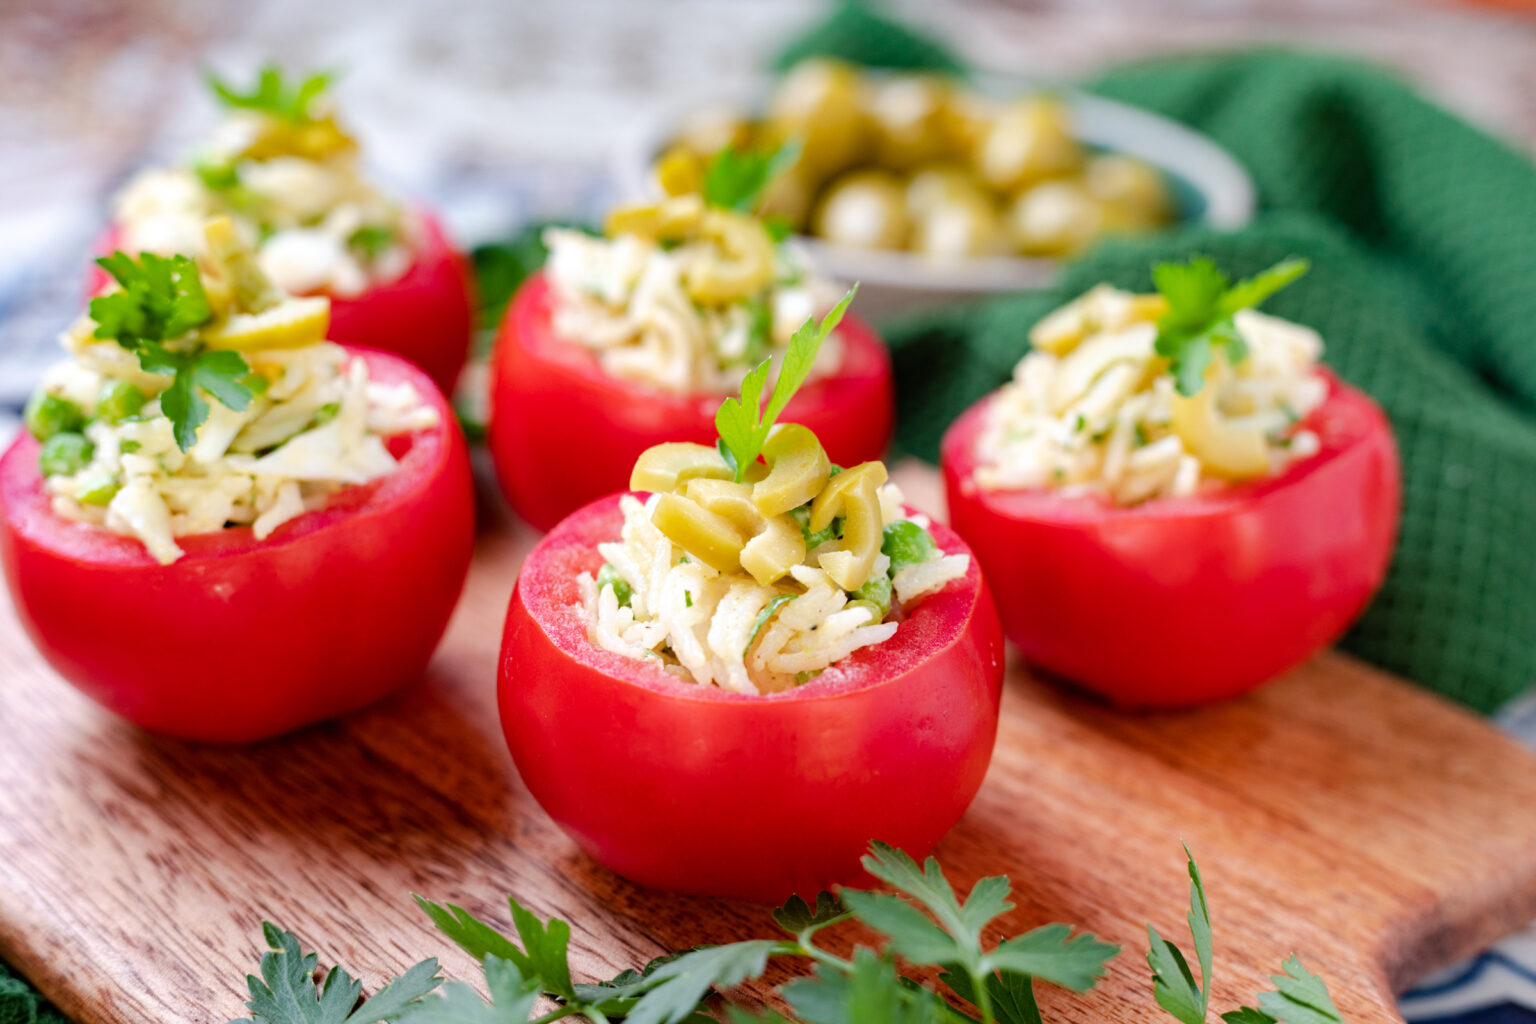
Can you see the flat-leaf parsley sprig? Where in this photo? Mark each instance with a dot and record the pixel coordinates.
(735, 179)
(1300, 997)
(1201, 302)
(743, 423)
(155, 314)
(922, 923)
(274, 95)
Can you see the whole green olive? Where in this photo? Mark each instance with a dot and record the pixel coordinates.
(866, 209)
(820, 103)
(1133, 192)
(1054, 218)
(939, 183)
(1030, 140)
(907, 118)
(958, 227)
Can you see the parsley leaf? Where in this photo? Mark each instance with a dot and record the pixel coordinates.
(676, 988)
(1173, 983)
(735, 179)
(286, 993)
(952, 937)
(543, 953)
(371, 241)
(512, 999)
(870, 990)
(273, 95)
(798, 917)
(742, 422)
(162, 298)
(1201, 302)
(1301, 997)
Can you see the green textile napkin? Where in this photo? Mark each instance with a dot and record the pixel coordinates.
(20, 1003)
(1422, 233)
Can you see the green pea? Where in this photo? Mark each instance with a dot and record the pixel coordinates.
(876, 591)
(905, 543)
(621, 590)
(118, 401)
(48, 415)
(98, 490)
(326, 413)
(65, 454)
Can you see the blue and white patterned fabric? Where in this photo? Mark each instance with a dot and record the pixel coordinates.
(1499, 986)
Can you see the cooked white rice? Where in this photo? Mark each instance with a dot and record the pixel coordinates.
(698, 623)
(625, 299)
(260, 467)
(308, 210)
(1098, 419)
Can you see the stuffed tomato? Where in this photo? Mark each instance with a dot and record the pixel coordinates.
(1166, 548)
(233, 528)
(631, 340)
(768, 664)
(285, 171)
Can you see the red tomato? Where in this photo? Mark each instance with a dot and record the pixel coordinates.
(426, 315)
(544, 388)
(700, 790)
(1184, 600)
(243, 639)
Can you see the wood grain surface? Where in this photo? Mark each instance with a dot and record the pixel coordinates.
(1337, 813)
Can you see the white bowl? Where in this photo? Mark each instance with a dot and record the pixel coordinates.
(1210, 188)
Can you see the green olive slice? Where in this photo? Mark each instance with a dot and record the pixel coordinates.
(854, 495)
(664, 468)
(703, 534)
(798, 469)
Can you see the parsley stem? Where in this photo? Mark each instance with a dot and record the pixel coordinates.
(983, 996)
(592, 1013)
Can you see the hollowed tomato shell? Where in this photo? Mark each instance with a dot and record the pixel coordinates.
(698, 790)
(564, 433)
(243, 639)
(426, 315)
(1183, 600)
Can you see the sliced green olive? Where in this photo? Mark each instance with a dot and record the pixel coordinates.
(778, 547)
(776, 543)
(746, 264)
(675, 219)
(663, 468)
(798, 468)
(319, 139)
(728, 499)
(680, 171)
(853, 494)
(703, 534)
(251, 289)
(1235, 453)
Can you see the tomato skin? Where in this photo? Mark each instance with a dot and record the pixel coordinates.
(241, 640)
(425, 315)
(1182, 601)
(564, 433)
(698, 790)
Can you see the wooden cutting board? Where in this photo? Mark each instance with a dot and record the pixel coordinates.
(1338, 813)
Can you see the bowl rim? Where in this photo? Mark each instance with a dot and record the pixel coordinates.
(1223, 184)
